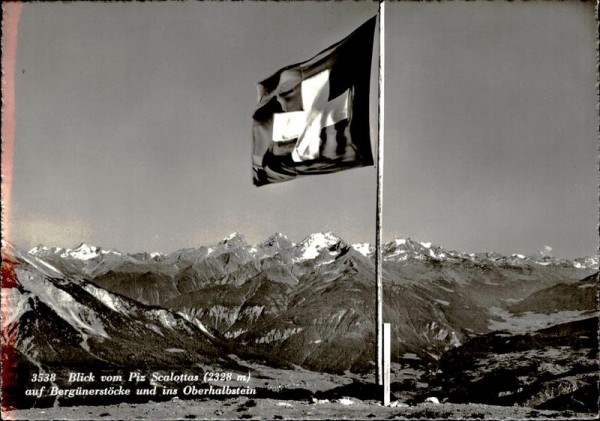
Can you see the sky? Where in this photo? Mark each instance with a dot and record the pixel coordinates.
(133, 125)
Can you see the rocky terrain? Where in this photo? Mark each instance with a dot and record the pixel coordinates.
(274, 409)
(467, 327)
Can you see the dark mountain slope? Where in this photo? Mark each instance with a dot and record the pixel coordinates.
(551, 368)
(579, 296)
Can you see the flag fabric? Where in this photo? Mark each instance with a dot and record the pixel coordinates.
(313, 117)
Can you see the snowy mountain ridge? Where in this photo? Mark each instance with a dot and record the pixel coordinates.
(398, 250)
(82, 252)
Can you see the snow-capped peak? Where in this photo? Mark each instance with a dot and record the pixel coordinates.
(275, 242)
(233, 239)
(321, 239)
(277, 237)
(405, 248)
(312, 245)
(396, 248)
(42, 250)
(232, 236)
(39, 249)
(363, 248)
(40, 264)
(84, 252)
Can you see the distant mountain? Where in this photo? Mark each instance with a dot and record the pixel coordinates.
(301, 301)
(310, 303)
(309, 248)
(579, 296)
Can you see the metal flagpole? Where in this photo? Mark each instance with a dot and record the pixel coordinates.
(378, 220)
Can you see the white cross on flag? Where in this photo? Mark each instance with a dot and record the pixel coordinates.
(313, 117)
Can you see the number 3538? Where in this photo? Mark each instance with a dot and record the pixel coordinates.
(43, 377)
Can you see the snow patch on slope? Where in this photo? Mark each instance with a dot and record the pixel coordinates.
(196, 323)
(71, 311)
(278, 335)
(15, 304)
(111, 301)
(43, 267)
(164, 318)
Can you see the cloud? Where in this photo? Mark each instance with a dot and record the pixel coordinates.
(546, 250)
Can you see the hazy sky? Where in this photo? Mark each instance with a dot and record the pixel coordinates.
(133, 125)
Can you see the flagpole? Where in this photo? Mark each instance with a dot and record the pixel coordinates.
(379, 217)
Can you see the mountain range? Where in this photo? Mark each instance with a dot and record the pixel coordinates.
(309, 304)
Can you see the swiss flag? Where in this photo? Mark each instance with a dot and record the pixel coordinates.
(313, 117)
